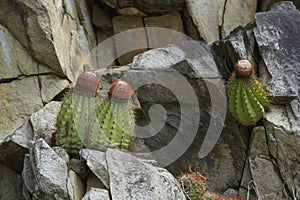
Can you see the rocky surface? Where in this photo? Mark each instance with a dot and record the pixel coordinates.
(280, 54)
(131, 178)
(215, 19)
(10, 184)
(45, 173)
(16, 146)
(96, 194)
(181, 120)
(96, 161)
(43, 121)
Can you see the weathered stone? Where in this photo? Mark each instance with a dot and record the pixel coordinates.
(110, 4)
(224, 166)
(189, 26)
(207, 16)
(96, 194)
(75, 186)
(44, 121)
(97, 163)
(131, 43)
(230, 193)
(106, 52)
(265, 5)
(10, 184)
(62, 153)
(85, 20)
(284, 126)
(14, 59)
(57, 26)
(280, 70)
(20, 98)
(170, 21)
(260, 172)
(28, 176)
(130, 178)
(267, 182)
(16, 146)
(131, 12)
(152, 6)
(239, 44)
(93, 182)
(247, 187)
(79, 167)
(258, 142)
(101, 18)
(51, 86)
(237, 13)
(49, 170)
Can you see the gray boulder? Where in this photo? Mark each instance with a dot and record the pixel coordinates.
(131, 178)
(45, 173)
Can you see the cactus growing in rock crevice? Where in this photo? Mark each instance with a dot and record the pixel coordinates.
(247, 99)
(69, 121)
(116, 117)
(84, 120)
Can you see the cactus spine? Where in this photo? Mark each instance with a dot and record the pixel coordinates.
(75, 117)
(247, 99)
(85, 120)
(115, 116)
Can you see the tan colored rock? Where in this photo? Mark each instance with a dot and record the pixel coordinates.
(134, 42)
(237, 13)
(267, 182)
(19, 99)
(172, 21)
(131, 12)
(207, 16)
(51, 86)
(59, 35)
(14, 60)
(75, 186)
(101, 18)
(85, 20)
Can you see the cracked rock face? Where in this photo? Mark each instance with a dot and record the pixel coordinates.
(215, 19)
(130, 178)
(45, 173)
(280, 71)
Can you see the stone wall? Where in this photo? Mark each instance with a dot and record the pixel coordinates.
(44, 46)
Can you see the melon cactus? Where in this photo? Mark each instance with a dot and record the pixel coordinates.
(247, 98)
(116, 117)
(84, 120)
(72, 119)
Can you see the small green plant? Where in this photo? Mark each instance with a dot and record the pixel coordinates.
(193, 185)
(247, 97)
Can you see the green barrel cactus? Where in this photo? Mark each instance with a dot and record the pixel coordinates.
(247, 98)
(84, 120)
(116, 117)
(67, 134)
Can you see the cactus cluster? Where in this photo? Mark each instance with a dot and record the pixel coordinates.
(247, 98)
(84, 120)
